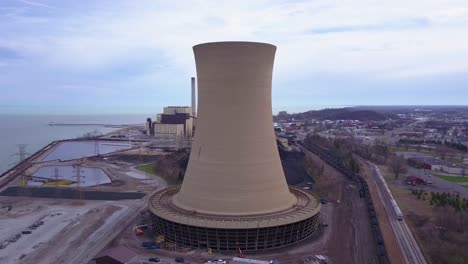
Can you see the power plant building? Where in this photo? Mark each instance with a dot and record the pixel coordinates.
(234, 194)
(168, 130)
(175, 121)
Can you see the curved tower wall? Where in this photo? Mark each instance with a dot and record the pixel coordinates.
(234, 166)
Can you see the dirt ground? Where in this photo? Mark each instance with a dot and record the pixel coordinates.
(391, 244)
(67, 224)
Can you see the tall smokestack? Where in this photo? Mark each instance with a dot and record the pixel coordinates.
(194, 103)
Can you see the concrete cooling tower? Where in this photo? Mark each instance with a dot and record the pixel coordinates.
(234, 194)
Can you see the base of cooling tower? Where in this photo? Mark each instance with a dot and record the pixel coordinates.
(229, 233)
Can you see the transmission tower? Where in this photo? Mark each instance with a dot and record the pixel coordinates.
(97, 178)
(23, 190)
(140, 154)
(58, 192)
(21, 152)
(98, 182)
(130, 138)
(96, 148)
(78, 175)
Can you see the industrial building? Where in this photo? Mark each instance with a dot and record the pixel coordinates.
(234, 194)
(174, 121)
(149, 128)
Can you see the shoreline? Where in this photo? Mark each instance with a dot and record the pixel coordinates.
(16, 170)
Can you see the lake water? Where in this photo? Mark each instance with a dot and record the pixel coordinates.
(77, 149)
(34, 131)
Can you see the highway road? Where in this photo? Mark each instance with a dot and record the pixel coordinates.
(410, 248)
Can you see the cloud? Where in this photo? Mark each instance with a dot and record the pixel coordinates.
(99, 45)
(8, 54)
(409, 24)
(36, 4)
(364, 39)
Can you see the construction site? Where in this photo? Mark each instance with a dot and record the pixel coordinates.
(73, 196)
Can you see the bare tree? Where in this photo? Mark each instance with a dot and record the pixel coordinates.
(397, 165)
(418, 147)
(442, 150)
(451, 153)
(406, 145)
(381, 152)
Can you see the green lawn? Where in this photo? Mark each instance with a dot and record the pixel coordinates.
(422, 151)
(148, 168)
(465, 186)
(452, 178)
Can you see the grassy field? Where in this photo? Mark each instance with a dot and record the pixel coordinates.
(452, 178)
(465, 186)
(148, 168)
(455, 159)
(422, 151)
(409, 203)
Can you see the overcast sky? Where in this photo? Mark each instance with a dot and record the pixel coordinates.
(136, 56)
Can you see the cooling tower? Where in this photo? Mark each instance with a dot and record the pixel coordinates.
(234, 193)
(234, 166)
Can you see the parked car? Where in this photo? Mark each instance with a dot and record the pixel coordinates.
(179, 259)
(155, 259)
(150, 245)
